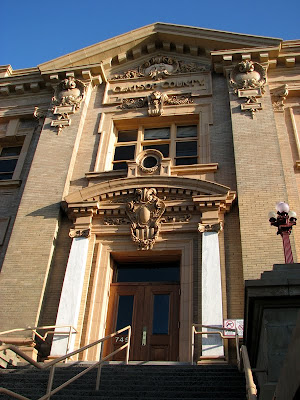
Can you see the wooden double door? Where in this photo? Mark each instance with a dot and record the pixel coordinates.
(152, 309)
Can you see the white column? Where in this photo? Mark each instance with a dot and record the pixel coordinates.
(212, 345)
(69, 305)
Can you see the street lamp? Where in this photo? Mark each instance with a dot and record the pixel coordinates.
(284, 220)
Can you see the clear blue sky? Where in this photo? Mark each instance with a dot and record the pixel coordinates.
(32, 32)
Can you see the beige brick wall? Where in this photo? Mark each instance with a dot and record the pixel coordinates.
(29, 254)
(260, 182)
(89, 142)
(222, 152)
(10, 197)
(290, 177)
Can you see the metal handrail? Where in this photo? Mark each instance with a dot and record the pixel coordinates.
(242, 355)
(250, 385)
(51, 330)
(218, 331)
(34, 330)
(52, 364)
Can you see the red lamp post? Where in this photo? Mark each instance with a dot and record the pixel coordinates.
(284, 220)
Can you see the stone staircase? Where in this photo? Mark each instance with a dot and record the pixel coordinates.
(7, 357)
(147, 382)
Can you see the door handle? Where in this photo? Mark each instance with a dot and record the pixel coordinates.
(144, 336)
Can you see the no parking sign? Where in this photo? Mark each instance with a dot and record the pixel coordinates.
(232, 325)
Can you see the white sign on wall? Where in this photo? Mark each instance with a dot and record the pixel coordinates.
(233, 324)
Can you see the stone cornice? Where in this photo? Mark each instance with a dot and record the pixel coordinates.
(178, 170)
(92, 72)
(17, 111)
(111, 189)
(23, 84)
(281, 56)
(34, 81)
(222, 203)
(181, 197)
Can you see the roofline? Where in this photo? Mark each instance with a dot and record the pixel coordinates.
(162, 27)
(208, 30)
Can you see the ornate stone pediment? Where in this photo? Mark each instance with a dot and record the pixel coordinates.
(143, 209)
(145, 212)
(160, 67)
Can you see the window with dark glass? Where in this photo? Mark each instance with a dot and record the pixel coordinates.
(183, 151)
(163, 148)
(8, 160)
(136, 272)
(125, 149)
(186, 145)
(157, 133)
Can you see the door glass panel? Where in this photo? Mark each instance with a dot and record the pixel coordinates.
(124, 311)
(160, 324)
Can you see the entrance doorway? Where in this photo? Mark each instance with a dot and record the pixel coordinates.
(145, 296)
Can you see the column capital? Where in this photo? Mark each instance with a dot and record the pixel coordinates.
(216, 227)
(76, 233)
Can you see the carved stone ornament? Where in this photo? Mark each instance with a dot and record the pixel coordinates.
(176, 218)
(217, 227)
(149, 160)
(248, 80)
(279, 96)
(160, 67)
(67, 99)
(76, 233)
(145, 212)
(155, 101)
(248, 75)
(39, 113)
(116, 221)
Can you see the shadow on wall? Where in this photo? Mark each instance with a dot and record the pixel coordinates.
(288, 387)
(49, 211)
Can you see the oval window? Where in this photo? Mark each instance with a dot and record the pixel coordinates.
(149, 162)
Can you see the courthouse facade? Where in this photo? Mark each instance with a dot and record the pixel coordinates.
(136, 176)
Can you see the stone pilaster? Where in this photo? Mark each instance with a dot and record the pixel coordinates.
(69, 306)
(212, 313)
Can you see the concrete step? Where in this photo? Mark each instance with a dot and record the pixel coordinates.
(130, 382)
